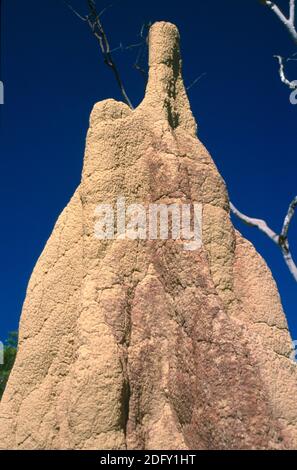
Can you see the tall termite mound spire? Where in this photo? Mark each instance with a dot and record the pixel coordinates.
(165, 91)
(141, 344)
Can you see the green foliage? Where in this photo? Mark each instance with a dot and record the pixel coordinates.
(10, 350)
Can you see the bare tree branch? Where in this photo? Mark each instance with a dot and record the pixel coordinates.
(277, 11)
(291, 84)
(288, 218)
(98, 31)
(280, 240)
(253, 222)
(95, 24)
(292, 11)
(289, 23)
(283, 239)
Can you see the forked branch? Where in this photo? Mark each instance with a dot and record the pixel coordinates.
(280, 240)
(93, 19)
(288, 22)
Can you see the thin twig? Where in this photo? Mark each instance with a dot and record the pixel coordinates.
(131, 46)
(195, 81)
(83, 18)
(138, 60)
(105, 9)
(143, 47)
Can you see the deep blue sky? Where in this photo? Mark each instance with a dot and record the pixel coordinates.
(53, 74)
